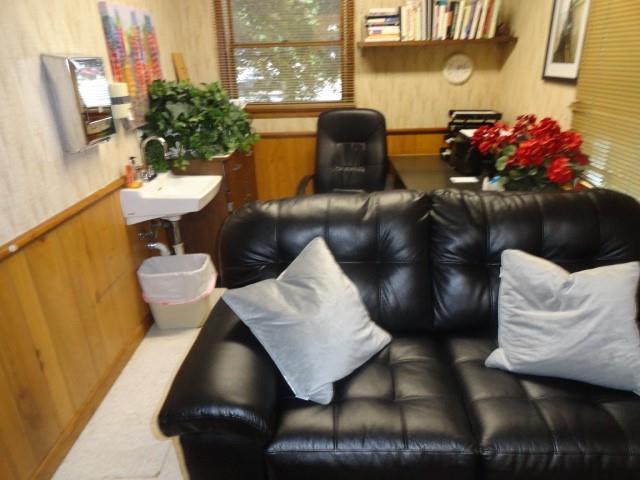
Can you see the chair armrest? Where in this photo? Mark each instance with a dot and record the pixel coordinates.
(227, 383)
(302, 186)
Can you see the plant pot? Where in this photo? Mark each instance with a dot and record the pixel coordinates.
(201, 166)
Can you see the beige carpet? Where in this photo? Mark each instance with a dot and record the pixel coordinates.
(122, 440)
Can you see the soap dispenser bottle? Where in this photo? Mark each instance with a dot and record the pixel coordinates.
(132, 174)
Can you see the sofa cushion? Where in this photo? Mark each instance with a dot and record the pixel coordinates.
(379, 240)
(399, 417)
(312, 322)
(469, 231)
(580, 326)
(545, 428)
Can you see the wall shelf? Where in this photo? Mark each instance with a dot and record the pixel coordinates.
(501, 40)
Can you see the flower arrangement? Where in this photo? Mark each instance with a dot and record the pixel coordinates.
(532, 155)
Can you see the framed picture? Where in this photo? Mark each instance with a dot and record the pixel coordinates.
(566, 38)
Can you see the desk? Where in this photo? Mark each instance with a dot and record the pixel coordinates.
(426, 173)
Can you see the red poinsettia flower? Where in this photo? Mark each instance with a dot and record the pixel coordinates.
(559, 171)
(540, 151)
(580, 158)
(546, 126)
(530, 152)
(571, 141)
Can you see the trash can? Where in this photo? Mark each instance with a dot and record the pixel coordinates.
(178, 289)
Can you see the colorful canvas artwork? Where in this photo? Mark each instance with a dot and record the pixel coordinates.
(133, 52)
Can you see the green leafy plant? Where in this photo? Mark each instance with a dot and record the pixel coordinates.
(196, 121)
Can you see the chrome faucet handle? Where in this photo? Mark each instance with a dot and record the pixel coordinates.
(148, 174)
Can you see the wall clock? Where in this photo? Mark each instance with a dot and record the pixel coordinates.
(458, 68)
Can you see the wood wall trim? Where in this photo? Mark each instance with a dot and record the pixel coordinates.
(70, 434)
(43, 228)
(293, 110)
(391, 131)
(417, 131)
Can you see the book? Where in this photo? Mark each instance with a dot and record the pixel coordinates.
(460, 15)
(383, 38)
(390, 20)
(476, 19)
(494, 19)
(418, 20)
(383, 29)
(429, 20)
(455, 14)
(487, 21)
(449, 19)
(442, 21)
(383, 12)
(482, 20)
(468, 10)
(423, 19)
(404, 23)
(411, 22)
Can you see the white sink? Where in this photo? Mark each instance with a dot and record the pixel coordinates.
(169, 196)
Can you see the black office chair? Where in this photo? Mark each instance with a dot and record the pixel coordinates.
(351, 152)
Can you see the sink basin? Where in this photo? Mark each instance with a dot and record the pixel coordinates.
(168, 195)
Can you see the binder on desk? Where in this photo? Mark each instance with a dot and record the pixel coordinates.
(459, 152)
(466, 119)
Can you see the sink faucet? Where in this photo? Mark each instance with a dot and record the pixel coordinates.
(149, 174)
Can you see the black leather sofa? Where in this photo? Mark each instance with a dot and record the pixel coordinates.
(427, 267)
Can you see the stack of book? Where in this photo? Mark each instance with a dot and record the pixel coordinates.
(416, 19)
(465, 19)
(382, 25)
(434, 20)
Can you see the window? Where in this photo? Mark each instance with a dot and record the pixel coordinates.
(607, 108)
(286, 54)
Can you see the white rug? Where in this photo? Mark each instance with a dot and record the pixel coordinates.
(122, 440)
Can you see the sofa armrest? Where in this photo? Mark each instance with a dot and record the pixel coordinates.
(227, 383)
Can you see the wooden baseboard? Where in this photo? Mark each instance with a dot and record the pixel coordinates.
(69, 435)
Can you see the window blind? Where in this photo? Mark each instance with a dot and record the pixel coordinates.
(607, 107)
(286, 51)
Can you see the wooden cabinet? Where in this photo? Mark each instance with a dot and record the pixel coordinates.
(240, 172)
(201, 230)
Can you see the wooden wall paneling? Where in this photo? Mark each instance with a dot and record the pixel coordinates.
(18, 452)
(75, 254)
(7, 470)
(52, 282)
(71, 316)
(23, 365)
(415, 144)
(38, 329)
(105, 267)
(282, 158)
(127, 289)
(281, 163)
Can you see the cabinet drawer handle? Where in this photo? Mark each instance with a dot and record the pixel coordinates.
(236, 167)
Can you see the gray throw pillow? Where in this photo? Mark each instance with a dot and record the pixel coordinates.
(580, 326)
(311, 321)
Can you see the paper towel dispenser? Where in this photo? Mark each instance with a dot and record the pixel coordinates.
(80, 95)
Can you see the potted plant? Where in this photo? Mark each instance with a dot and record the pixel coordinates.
(197, 122)
(532, 155)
